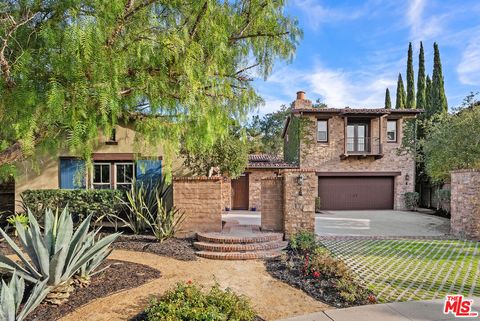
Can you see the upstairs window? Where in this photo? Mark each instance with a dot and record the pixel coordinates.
(101, 176)
(124, 175)
(392, 131)
(322, 131)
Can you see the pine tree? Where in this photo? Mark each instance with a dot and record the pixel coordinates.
(428, 97)
(439, 100)
(400, 101)
(421, 86)
(388, 102)
(410, 100)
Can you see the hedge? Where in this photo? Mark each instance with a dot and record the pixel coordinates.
(81, 203)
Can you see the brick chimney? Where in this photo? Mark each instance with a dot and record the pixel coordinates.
(301, 101)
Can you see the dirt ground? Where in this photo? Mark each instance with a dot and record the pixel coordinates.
(271, 298)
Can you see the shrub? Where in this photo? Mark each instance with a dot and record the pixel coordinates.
(303, 242)
(20, 218)
(317, 205)
(11, 297)
(82, 203)
(411, 200)
(57, 254)
(190, 302)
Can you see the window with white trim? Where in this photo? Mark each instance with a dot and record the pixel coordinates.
(101, 176)
(392, 131)
(322, 131)
(124, 173)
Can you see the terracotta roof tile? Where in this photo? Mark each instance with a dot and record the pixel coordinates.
(267, 161)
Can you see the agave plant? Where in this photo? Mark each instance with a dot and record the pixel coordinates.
(11, 296)
(57, 254)
(164, 222)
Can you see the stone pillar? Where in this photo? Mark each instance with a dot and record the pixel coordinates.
(226, 193)
(465, 203)
(299, 191)
(272, 204)
(200, 198)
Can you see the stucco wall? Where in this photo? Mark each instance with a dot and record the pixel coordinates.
(465, 203)
(325, 157)
(43, 172)
(200, 199)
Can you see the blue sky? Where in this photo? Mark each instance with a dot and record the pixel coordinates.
(352, 50)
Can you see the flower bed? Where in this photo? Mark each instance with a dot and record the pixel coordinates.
(309, 266)
(105, 283)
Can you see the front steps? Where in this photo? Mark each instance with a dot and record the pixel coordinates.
(240, 242)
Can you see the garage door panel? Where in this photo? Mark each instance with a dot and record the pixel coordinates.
(355, 193)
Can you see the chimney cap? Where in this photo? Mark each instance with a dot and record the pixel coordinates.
(301, 95)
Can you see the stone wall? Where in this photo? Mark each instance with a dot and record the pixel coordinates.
(255, 186)
(200, 198)
(299, 201)
(272, 204)
(465, 203)
(325, 157)
(226, 193)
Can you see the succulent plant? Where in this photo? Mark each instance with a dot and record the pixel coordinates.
(11, 296)
(57, 254)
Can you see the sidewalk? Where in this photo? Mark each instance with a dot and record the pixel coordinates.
(401, 311)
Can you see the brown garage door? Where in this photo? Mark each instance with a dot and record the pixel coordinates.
(355, 193)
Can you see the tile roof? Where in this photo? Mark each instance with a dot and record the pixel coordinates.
(348, 110)
(267, 161)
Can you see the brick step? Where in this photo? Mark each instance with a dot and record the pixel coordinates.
(231, 256)
(233, 247)
(239, 239)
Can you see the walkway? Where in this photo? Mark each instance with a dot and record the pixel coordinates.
(404, 311)
(272, 299)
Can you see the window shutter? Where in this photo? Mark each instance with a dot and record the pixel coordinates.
(72, 174)
(149, 171)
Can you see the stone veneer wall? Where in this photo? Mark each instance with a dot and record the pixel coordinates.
(299, 201)
(200, 198)
(255, 186)
(465, 203)
(272, 204)
(325, 157)
(226, 193)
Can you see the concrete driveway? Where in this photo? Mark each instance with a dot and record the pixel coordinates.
(380, 223)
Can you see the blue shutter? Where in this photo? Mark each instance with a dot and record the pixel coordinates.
(72, 174)
(149, 171)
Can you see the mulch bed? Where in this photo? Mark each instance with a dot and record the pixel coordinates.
(121, 275)
(180, 249)
(320, 289)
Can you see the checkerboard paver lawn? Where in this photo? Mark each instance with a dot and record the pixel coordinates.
(403, 270)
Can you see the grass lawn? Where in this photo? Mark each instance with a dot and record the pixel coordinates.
(401, 270)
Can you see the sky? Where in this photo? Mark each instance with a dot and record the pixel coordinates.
(352, 51)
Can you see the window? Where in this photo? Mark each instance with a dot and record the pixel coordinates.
(124, 175)
(392, 131)
(322, 131)
(101, 176)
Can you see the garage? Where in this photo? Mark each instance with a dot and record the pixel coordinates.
(356, 192)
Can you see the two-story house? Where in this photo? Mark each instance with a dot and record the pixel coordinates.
(116, 162)
(355, 153)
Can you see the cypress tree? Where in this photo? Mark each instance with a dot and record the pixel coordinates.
(421, 86)
(428, 97)
(439, 100)
(410, 102)
(400, 101)
(388, 101)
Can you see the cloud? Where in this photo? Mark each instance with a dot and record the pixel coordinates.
(469, 67)
(317, 13)
(423, 26)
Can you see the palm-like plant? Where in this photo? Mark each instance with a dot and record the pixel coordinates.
(57, 254)
(11, 296)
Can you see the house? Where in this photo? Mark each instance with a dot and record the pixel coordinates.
(355, 153)
(116, 161)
